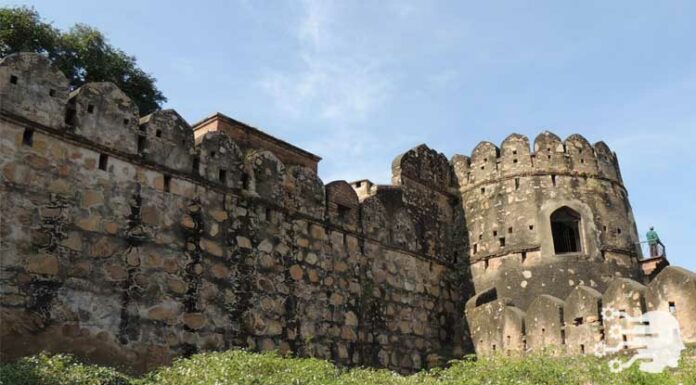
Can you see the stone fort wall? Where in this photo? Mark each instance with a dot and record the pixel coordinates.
(127, 241)
(132, 240)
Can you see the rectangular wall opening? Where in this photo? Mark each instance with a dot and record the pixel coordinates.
(141, 144)
(167, 183)
(70, 114)
(245, 181)
(222, 176)
(672, 307)
(343, 212)
(103, 161)
(28, 137)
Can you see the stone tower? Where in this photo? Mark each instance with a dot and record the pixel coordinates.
(543, 222)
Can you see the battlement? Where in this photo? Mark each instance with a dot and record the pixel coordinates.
(573, 157)
(218, 150)
(577, 324)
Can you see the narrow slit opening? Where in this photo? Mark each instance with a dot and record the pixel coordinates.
(103, 161)
(167, 183)
(28, 137)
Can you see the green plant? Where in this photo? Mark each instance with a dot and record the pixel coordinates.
(239, 367)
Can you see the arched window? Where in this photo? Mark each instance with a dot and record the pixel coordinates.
(565, 229)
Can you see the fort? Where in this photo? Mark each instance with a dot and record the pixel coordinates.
(131, 240)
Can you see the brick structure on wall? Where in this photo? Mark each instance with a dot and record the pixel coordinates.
(132, 240)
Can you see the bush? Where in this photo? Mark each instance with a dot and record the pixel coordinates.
(59, 369)
(243, 368)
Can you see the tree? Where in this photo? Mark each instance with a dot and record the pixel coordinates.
(83, 54)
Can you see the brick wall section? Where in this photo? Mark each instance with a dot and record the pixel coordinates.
(250, 137)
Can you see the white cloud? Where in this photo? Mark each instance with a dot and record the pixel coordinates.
(314, 24)
(335, 81)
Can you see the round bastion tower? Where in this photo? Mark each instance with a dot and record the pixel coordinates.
(546, 221)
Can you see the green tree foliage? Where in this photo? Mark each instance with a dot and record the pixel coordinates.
(82, 53)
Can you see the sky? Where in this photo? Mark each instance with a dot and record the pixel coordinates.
(359, 82)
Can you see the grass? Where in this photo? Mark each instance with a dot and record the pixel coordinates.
(239, 367)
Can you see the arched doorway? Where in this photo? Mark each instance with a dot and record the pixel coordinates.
(565, 229)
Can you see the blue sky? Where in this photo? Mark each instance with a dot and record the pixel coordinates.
(360, 82)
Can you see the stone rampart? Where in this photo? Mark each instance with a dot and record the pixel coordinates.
(133, 240)
(127, 242)
(578, 323)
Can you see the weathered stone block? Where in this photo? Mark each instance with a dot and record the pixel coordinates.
(43, 264)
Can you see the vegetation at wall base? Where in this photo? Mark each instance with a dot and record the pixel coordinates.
(239, 367)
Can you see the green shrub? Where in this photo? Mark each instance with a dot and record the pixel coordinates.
(59, 369)
(240, 367)
(243, 368)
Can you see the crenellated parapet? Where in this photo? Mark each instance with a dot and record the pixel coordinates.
(545, 210)
(102, 113)
(342, 206)
(414, 215)
(400, 227)
(583, 319)
(573, 157)
(427, 186)
(219, 160)
(305, 192)
(167, 139)
(424, 166)
(31, 87)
